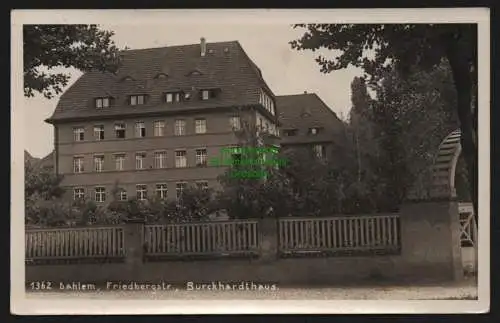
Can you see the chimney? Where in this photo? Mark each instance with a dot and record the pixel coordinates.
(203, 46)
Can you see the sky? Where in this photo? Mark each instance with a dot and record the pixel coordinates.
(285, 70)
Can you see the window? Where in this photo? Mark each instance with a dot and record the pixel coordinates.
(140, 130)
(142, 192)
(201, 157)
(187, 96)
(160, 159)
(161, 191)
(290, 132)
(98, 163)
(180, 127)
(99, 132)
(200, 126)
(259, 124)
(137, 99)
(172, 97)
(180, 159)
(120, 130)
(78, 193)
(119, 162)
(100, 194)
(159, 128)
(202, 185)
(207, 94)
(235, 123)
(139, 160)
(267, 102)
(101, 103)
(314, 131)
(236, 159)
(78, 134)
(179, 189)
(122, 195)
(78, 165)
(319, 150)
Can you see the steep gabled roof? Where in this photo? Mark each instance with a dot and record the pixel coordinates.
(225, 66)
(304, 111)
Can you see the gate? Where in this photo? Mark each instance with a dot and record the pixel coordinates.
(468, 236)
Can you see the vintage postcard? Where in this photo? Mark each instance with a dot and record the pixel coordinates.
(250, 161)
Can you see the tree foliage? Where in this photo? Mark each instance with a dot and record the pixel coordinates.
(374, 47)
(84, 47)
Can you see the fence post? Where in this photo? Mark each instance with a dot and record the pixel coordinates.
(133, 230)
(268, 235)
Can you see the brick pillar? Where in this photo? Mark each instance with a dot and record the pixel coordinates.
(268, 235)
(430, 239)
(134, 242)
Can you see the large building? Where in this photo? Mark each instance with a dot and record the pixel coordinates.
(307, 122)
(152, 126)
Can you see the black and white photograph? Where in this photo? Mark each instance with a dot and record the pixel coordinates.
(250, 161)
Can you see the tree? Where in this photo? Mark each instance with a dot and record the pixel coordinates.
(408, 45)
(84, 47)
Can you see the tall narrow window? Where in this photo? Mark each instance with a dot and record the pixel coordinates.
(100, 194)
(319, 150)
(79, 134)
(205, 94)
(161, 191)
(160, 159)
(119, 161)
(200, 126)
(120, 130)
(235, 123)
(159, 128)
(180, 159)
(180, 127)
(99, 132)
(139, 160)
(122, 195)
(78, 165)
(142, 192)
(140, 130)
(201, 157)
(78, 193)
(98, 163)
(179, 189)
(202, 185)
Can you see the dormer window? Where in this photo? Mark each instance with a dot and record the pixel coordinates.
(187, 96)
(171, 97)
(314, 131)
(137, 99)
(162, 76)
(290, 132)
(208, 94)
(101, 103)
(194, 73)
(266, 102)
(127, 78)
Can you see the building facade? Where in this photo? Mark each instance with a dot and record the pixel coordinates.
(306, 122)
(151, 128)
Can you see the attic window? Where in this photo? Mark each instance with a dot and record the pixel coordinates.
(314, 131)
(101, 103)
(171, 97)
(127, 78)
(137, 99)
(208, 94)
(194, 73)
(290, 132)
(162, 76)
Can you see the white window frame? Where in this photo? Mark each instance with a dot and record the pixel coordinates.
(205, 95)
(138, 99)
(100, 194)
(141, 192)
(79, 134)
(101, 103)
(159, 128)
(179, 189)
(162, 190)
(200, 126)
(201, 159)
(180, 127)
(172, 97)
(120, 165)
(120, 126)
(98, 163)
(78, 167)
(318, 153)
(180, 160)
(78, 193)
(122, 195)
(140, 129)
(137, 159)
(99, 132)
(160, 159)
